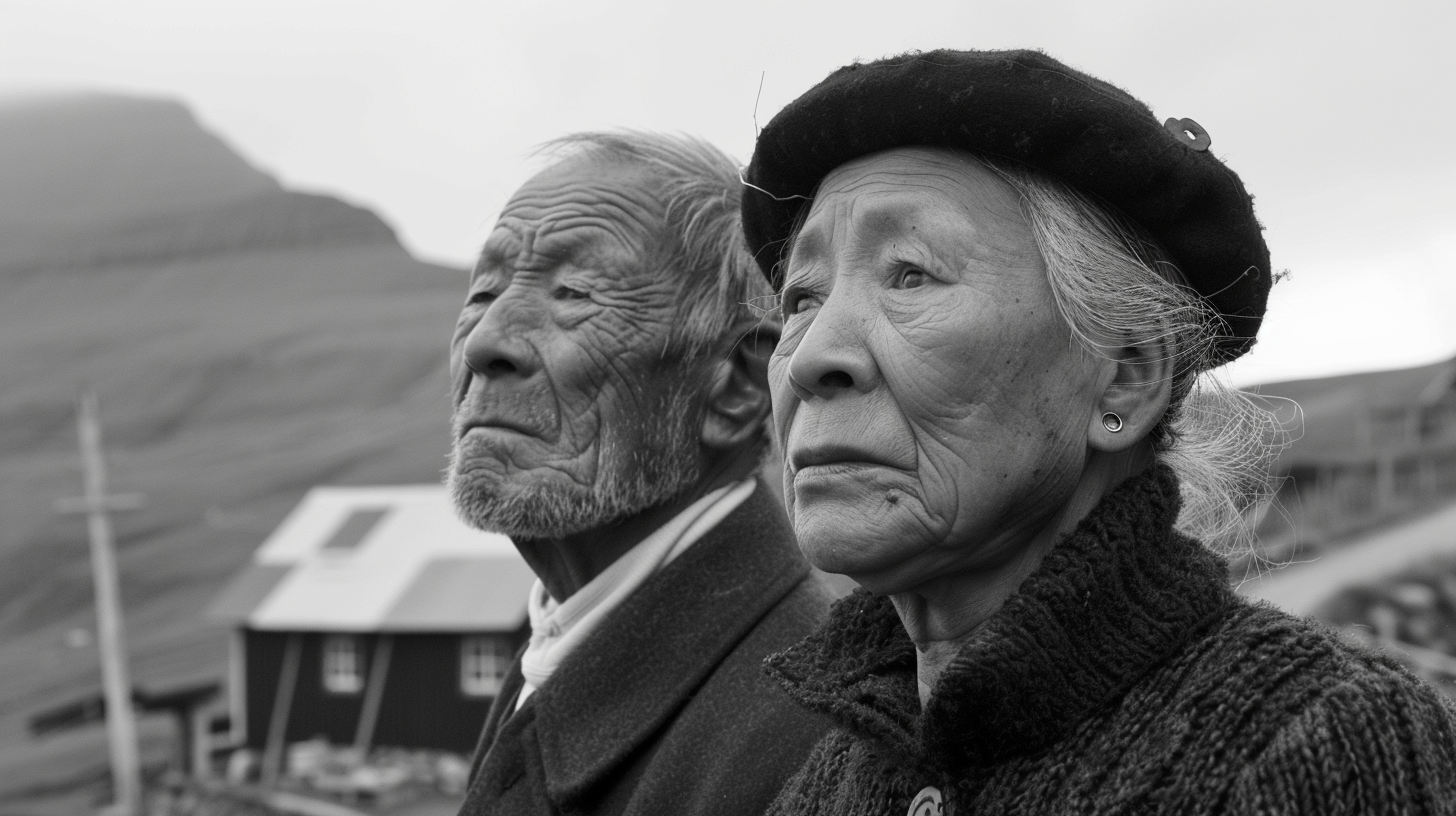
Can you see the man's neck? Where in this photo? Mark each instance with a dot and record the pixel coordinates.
(569, 563)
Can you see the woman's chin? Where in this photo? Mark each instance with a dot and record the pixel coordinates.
(867, 550)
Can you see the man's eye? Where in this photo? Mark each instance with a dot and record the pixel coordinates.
(910, 278)
(480, 298)
(568, 293)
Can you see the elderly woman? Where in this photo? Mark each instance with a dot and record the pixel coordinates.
(1001, 280)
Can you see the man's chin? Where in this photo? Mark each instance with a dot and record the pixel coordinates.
(537, 508)
(489, 502)
(534, 510)
(545, 502)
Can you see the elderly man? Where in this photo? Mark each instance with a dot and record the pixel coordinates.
(610, 404)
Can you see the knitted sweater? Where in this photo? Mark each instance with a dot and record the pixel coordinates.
(1123, 676)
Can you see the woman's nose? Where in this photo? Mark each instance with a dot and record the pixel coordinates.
(497, 345)
(832, 357)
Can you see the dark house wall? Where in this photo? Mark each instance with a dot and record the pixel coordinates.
(314, 711)
(422, 706)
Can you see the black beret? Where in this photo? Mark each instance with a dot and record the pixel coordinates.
(1028, 107)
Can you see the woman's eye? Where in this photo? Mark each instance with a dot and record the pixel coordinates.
(794, 302)
(568, 293)
(910, 279)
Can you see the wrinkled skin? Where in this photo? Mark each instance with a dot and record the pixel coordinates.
(561, 378)
(933, 406)
(941, 427)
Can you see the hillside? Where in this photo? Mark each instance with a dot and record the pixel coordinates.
(246, 342)
(93, 180)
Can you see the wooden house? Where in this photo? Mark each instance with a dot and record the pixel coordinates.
(1375, 446)
(372, 617)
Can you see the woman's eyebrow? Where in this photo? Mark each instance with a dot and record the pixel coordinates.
(808, 246)
(886, 221)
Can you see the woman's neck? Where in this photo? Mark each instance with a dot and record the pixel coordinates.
(941, 615)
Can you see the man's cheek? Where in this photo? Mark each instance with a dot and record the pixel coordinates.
(459, 378)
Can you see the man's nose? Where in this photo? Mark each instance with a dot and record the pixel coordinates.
(499, 344)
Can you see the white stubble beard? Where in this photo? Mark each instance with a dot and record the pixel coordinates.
(628, 481)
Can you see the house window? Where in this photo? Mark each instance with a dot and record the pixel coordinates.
(484, 661)
(343, 664)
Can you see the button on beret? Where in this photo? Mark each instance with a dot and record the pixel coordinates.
(1028, 107)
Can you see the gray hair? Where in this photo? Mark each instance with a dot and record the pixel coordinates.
(1116, 287)
(699, 188)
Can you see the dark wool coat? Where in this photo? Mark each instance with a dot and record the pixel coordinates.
(1122, 677)
(664, 709)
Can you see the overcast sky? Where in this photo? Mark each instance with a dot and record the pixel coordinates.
(1339, 116)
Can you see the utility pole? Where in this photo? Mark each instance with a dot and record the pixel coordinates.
(95, 504)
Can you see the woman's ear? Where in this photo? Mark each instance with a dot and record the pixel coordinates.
(738, 401)
(1135, 399)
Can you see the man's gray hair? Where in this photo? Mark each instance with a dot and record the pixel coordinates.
(1116, 287)
(723, 292)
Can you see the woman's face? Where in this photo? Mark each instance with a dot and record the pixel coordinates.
(933, 407)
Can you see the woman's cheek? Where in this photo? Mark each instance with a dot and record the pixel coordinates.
(781, 394)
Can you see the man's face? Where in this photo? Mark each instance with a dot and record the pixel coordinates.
(571, 411)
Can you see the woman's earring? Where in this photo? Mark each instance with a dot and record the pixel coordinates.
(1112, 422)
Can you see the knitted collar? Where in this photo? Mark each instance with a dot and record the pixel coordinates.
(1113, 599)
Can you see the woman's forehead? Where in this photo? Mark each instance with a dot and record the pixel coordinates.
(953, 174)
(885, 193)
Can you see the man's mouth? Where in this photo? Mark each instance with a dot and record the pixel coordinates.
(495, 424)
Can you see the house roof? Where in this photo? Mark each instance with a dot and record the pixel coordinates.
(1338, 410)
(365, 559)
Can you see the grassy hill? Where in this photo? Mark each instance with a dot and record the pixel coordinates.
(246, 342)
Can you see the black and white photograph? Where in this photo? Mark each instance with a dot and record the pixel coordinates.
(936, 408)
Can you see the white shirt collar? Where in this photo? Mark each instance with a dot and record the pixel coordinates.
(558, 628)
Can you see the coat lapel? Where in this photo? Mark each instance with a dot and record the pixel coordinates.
(649, 657)
(501, 709)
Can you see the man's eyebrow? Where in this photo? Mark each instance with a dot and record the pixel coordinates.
(490, 254)
(563, 242)
(565, 237)
(497, 244)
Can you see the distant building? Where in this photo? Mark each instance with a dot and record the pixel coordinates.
(1376, 445)
(372, 617)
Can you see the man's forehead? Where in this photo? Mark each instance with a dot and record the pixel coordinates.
(580, 207)
(584, 183)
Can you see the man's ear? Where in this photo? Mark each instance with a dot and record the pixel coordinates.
(738, 401)
(1137, 392)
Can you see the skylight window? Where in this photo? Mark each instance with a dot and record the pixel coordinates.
(355, 527)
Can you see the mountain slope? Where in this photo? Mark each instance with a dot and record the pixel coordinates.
(246, 343)
(94, 180)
